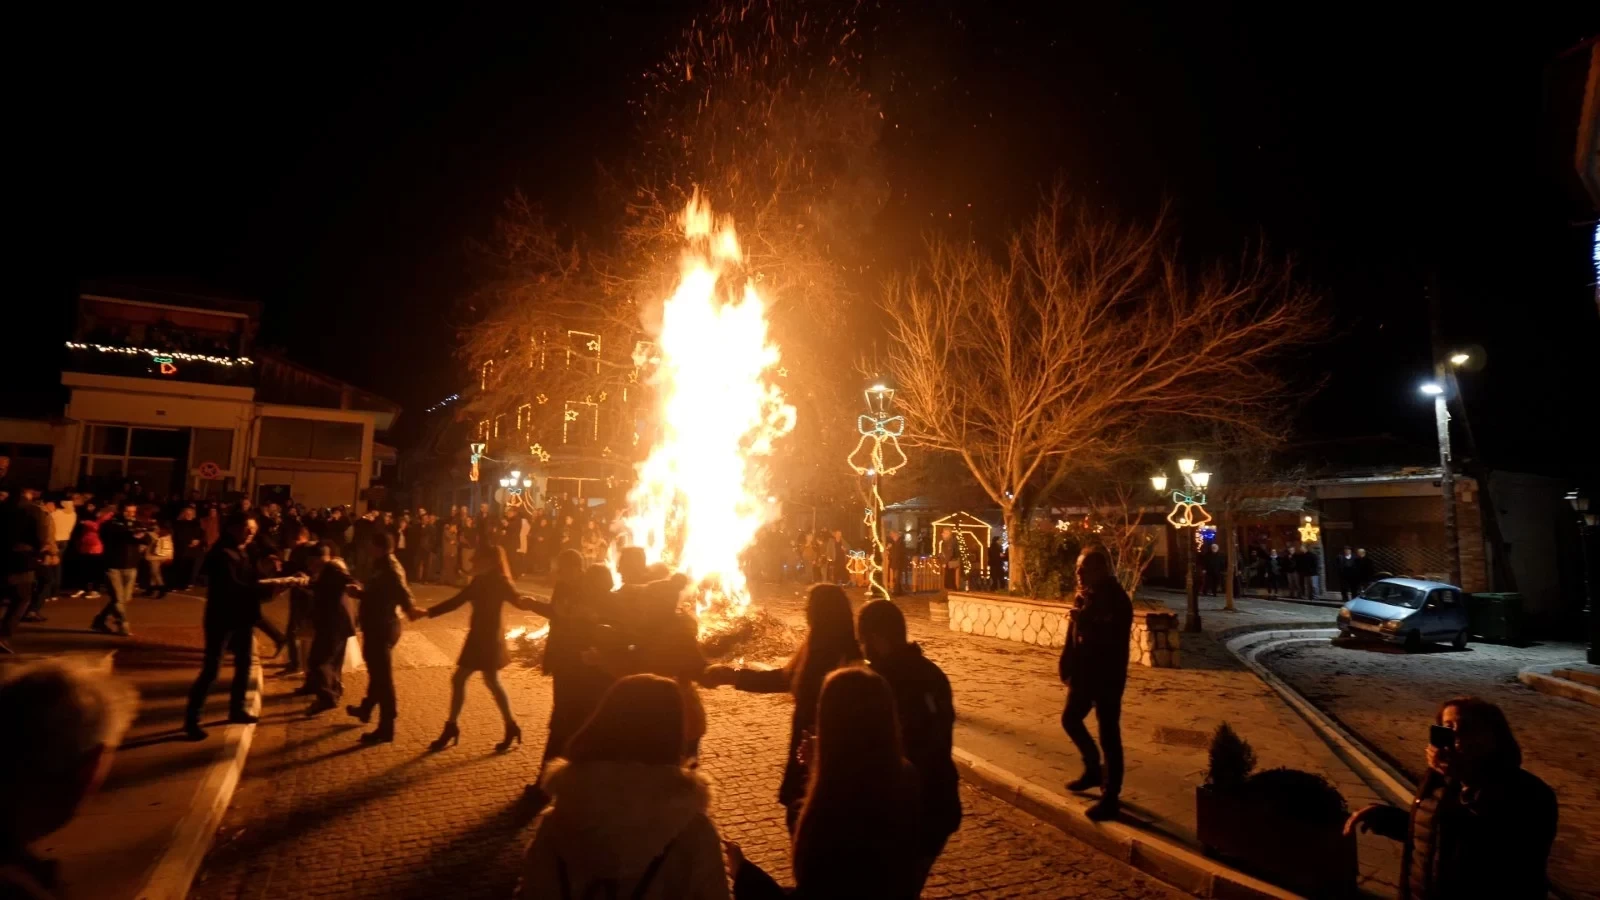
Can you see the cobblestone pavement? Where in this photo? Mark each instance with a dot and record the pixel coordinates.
(319, 815)
(1389, 697)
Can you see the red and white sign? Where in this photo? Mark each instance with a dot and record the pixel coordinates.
(210, 470)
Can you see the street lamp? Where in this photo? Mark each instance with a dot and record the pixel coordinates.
(1447, 477)
(1188, 511)
(1586, 521)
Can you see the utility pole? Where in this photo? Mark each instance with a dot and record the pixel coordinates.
(1441, 421)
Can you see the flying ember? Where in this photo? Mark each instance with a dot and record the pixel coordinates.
(701, 495)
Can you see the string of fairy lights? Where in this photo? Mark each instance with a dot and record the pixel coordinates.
(163, 355)
(879, 431)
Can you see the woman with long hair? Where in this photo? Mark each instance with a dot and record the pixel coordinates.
(1481, 825)
(856, 833)
(485, 647)
(830, 643)
(626, 818)
(575, 686)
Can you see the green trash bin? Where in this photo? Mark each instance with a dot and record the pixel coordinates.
(1495, 617)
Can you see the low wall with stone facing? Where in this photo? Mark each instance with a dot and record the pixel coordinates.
(1154, 641)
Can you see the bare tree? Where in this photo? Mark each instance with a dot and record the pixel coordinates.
(1083, 333)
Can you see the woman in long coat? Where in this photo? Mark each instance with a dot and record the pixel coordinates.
(485, 647)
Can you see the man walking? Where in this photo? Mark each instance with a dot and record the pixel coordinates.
(124, 541)
(927, 722)
(25, 530)
(1094, 667)
(384, 593)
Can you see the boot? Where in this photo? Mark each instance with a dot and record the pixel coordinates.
(1090, 779)
(451, 735)
(319, 706)
(1105, 810)
(513, 733)
(383, 734)
(362, 711)
(193, 731)
(242, 718)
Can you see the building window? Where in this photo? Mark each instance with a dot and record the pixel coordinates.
(483, 430)
(212, 445)
(499, 425)
(484, 373)
(288, 438)
(524, 418)
(580, 423)
(584, 348)
(151, 457)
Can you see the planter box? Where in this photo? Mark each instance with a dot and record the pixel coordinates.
(1314, 860)
(1153, 642)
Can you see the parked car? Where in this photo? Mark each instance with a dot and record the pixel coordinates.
(1407, 611)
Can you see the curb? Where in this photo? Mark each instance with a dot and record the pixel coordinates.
(174, 871)
(1166, 860)
(1546, 679)
(1382, 777)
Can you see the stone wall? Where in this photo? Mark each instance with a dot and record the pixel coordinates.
(1154, 641)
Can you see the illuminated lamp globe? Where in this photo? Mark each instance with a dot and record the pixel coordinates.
(1431, 389)
(1186, 466)
(1460, 358)
(1159, 482)
(1202, 478)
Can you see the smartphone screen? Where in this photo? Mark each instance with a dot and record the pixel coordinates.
(1442, 736)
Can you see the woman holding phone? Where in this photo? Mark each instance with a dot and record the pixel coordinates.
(1481, 825)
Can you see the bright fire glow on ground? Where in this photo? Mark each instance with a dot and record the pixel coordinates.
(702, 493)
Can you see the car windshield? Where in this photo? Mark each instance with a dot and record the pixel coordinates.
(1395, 594)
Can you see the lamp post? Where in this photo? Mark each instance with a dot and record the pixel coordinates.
(1447, 478)
(1188, 511)
(1586, 521)
(877, 453)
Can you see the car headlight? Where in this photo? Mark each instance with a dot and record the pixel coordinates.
(1344, 613)
(1393, 625)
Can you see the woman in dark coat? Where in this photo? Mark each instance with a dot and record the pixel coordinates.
(1481, 825)
(485, 648)
(830, 644)
(333, 624)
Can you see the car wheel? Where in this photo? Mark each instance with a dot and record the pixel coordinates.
(1344, 635)
(1460, 641)
(1413, 642)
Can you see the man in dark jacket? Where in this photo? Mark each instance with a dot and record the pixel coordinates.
(384, 592)
(1094, 667)
(927, 720)
(25, 529)
(1310, 567)
(234, 591)
(1348, 579)
(124, 540)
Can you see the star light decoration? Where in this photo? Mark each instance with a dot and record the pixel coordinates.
(880, 432)
(1310, 532)
(538, 452)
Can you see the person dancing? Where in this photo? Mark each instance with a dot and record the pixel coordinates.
(485, 647)
(383, 594)
(332, 624)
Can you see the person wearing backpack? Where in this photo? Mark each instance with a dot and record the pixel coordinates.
(627, 820)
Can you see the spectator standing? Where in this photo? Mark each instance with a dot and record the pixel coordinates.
(627, 818)
(856, 837)
(1094, 667)
(91, 553)
(1308, 566)
(899, 582)
(25, 530)
(927, 717)
(450, 550)
(124, 540)
(997, 564)
(64, 518)
(1348, 579)
(157, 553)
(830, 643)
(1481, 825)
(188, 548)
(1365, 573)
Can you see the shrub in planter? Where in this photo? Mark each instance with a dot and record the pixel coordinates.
(1283, 825)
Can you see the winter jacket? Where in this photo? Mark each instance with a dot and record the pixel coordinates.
(927, 722)
(26, 530)
(625, 830)
(89, 543)
(1493, 843)
(385, 592)
(807, 689)
(123, 550)
(234, 592)
(1095, 653)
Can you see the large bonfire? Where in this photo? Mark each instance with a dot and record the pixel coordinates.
(701, 495)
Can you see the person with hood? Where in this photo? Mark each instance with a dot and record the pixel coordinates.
(856, 838)
(830, 643)
(927, 716)
(1094, 667)
(485, 648)
(626, 819)
(1481, 825)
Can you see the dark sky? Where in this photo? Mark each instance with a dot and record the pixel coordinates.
(335, 169)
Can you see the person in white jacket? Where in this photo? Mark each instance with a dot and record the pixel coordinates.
(626, 819)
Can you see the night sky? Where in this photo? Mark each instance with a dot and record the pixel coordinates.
(337, 170)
